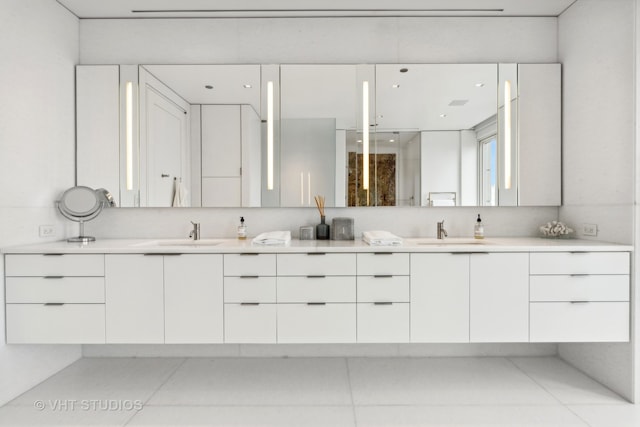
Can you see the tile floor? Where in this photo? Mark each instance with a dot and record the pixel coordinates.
(335, 392)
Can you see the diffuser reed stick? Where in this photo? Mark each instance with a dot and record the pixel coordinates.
(320, 204)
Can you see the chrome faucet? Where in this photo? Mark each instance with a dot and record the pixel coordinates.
(195, 233)
(442, 233)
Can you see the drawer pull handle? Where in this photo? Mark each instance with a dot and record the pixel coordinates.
(162, 254)
(316, 277)
(578, 275)
(52, 304)
(316, 253)
(479, 253)
(383, 276)
(578, 252)
(53, 277)
(382, 303)
(383, 253)
(249, 303)
(579, 302)
(248, 277)
(461, 253)
(316, 303)
(52, 254)
(249, 254)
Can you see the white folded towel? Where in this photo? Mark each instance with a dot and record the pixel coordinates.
(381, 238)
(273, 238)
(179, 194)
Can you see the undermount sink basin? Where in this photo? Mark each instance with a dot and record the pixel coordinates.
(449, 241)
(183, 242)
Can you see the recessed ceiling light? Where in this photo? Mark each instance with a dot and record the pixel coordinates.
(395, 86)
(392, 140)
(359, 140)
(443, 115)
(247, 86)
(479, 84)
(208, 87)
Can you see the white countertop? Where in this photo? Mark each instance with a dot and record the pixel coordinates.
(426, 244)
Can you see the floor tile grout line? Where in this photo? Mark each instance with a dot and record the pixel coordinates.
(184, 360)
(353, 406)
(577, 415)
(547, 390)
(535, 381)
(335, 405)
(623, 400)
(10, 403)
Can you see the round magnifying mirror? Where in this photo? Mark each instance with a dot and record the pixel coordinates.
(80, 204)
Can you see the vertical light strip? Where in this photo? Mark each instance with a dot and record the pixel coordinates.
(269, 135)
(309, 189)
(365, 135)
(507, 134)
(129, 134)
(301, 188)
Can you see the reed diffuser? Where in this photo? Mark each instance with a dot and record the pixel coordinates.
(322, 229)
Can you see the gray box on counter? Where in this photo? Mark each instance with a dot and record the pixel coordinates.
(342, 229)
(307, 232)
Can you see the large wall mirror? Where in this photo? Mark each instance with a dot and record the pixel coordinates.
(360, 135)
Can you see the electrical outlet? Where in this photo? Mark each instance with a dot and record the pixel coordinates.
(590, 229)
(47, 231)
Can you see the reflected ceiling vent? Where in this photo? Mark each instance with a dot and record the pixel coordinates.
(458, 102)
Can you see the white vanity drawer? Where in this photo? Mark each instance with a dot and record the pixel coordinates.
(54, 265)
(383, 288)
(317, 289)
(249, 289)
(370, 264)
(580, 322)
(249, 323)
(579, 263)
(384, 323)
(579, 288)
(318, 323)
(316, 264)
(55, 289)
(55, 324)
(250, 264)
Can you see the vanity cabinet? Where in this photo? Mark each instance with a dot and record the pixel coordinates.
(383, 297)
(250, 298)
(193, 294)
(164, 298)
(55, 298)
(499, 297)
(316, 294)
(579, 297)
(440, 297)
(364, 297)
(134, 299)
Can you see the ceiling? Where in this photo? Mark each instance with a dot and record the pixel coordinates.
(308, 8)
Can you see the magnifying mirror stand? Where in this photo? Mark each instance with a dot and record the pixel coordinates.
(82, 204)
(81, 238)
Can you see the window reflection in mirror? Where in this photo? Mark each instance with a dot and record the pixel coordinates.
(452, 107)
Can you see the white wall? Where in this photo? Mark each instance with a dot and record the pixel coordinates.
(596, 47)
(318, 41)
(39, 49)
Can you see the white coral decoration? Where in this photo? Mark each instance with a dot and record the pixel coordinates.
(554, 229)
